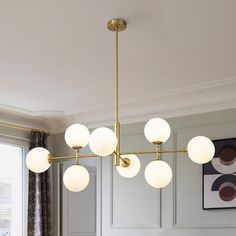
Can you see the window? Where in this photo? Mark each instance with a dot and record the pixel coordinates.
(12, 190)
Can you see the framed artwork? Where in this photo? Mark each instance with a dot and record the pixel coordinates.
(219, 176)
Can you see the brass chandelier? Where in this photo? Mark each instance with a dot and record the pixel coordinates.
(104, 142)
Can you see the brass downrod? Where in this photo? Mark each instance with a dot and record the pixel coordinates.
(117, 80)
(116, 157)
(116, 25)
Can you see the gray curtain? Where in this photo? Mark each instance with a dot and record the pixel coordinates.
(39, 195)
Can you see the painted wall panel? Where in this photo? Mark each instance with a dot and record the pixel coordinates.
(79, 209)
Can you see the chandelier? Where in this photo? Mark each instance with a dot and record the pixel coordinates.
(105, 142)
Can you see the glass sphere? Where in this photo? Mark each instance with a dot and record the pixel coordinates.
(77, 135)
(37, 160)
(158, 174)
(103, 141)
(157, 130)
(200, 149)
(133, 168)
(76, 178)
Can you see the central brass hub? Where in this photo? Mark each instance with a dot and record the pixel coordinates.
(125, 162)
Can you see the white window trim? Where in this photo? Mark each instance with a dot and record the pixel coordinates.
(24, 144)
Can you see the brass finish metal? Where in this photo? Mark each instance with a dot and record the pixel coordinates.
(154, 152)
(116, 24)
(158, 154)
(125, 162)
(72, 157)
(117, 81)
(139, 153)
(124, 153)
(77, 154)
(174, 151)
(50, 158)
(116, 155)
(157, 143)
(88, 156)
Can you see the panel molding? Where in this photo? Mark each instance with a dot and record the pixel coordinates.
(71, 233)
(99, 198)
(115, 226)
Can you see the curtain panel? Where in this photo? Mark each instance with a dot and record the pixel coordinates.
(39, 194)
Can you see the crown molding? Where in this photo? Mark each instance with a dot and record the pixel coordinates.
(229, 81)
(187, 100)
(36, 120)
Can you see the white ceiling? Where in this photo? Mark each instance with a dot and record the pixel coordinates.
(57, 59)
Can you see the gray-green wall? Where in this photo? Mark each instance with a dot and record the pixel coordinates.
(130, 207)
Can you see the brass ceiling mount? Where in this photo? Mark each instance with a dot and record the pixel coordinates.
(116, 25)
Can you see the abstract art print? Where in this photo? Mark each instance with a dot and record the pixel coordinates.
(219, 176)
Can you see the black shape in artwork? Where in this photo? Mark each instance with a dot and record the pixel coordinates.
(223, 179)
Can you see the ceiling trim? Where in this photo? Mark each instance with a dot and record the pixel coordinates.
(187, 100)
(229, 81)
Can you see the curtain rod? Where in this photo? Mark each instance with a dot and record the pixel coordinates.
(14, 137)
(19, 127)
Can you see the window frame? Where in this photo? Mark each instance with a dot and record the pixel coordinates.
(24, 144)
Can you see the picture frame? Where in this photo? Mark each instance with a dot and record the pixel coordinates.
(219, 177)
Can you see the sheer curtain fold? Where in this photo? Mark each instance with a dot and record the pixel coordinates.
(39, 194)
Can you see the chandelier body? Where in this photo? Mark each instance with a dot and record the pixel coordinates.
(104, 142)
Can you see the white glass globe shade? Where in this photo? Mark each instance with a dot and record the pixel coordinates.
(37, 160)
(77, 135)
(157, 130)
(158, 174)
(103, 141)
(76, 178)
(133, 168)
(200, 149)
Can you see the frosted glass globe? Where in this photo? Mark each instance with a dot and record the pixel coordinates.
(157, 130)
(158, 174)
(77, 135)
(201, 149)
(76, 178)
(132, 169)
(37, 160)
(103, 141)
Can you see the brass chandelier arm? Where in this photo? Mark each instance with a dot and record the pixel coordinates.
(184, 150)
(52, 158)
(139, 153)
(72, 157)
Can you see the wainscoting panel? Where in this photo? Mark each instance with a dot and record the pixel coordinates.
(130, 204)
(79, 209)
